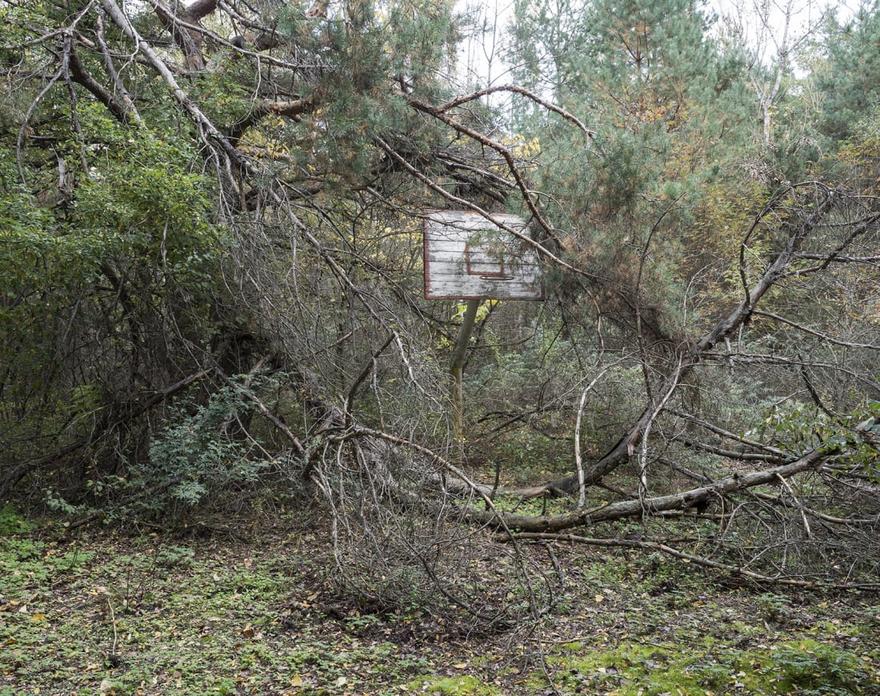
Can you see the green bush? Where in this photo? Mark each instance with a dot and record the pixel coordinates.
(199, 460)
(195, 458)
(11, 522)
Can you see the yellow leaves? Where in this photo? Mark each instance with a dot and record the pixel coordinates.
(485, 307)
(861, 154)
(652, 113)
(528, 149)
(307, 602)
(482, 311)
(259, 142)
(721, 217)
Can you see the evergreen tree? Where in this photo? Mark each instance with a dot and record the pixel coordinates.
(675, 130)
(847, 79)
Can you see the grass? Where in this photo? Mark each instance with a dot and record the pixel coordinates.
(111, 614)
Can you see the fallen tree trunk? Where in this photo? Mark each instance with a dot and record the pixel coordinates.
(624, 448)
(635, 508)
(458, 481)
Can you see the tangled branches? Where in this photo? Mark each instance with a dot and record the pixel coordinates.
(281, 264)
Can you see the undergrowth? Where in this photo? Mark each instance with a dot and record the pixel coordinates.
(154, 614)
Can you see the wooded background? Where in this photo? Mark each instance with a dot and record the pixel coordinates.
(212, 303)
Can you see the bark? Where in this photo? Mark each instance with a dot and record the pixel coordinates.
(187, 38)
(291, 109)
(456, 369)
(121, 109)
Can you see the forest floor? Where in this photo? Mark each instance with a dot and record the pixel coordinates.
(94, 612)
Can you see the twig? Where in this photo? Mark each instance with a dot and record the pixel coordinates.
(582, 490)
(691, 558)
(112, 655)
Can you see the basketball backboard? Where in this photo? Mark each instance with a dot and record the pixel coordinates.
(468, 257)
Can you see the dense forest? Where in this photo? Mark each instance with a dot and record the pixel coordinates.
(225, 396)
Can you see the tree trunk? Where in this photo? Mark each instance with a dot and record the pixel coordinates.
(457, 367)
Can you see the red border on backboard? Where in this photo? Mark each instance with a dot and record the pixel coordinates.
(490, 274)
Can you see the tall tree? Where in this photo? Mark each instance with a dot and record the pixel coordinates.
(845, 80)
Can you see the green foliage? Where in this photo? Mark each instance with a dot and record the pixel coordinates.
(812, 668)
(194, 458)
(24, 562)
(174, 556)
(197, 460)
(58, 504)
(452, 686)
(207, 617)
(799, 427)
(675, 125)
(773, 607)
(128, 244)
(845, 80)
(11, 522)
(132, 255)
(525, 453)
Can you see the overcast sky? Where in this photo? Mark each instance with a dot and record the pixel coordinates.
(481, 60)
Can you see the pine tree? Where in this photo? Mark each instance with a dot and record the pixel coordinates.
(847, 80)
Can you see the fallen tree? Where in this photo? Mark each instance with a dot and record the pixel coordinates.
(320, 173)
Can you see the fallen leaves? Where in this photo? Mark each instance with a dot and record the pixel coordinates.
(241, 644)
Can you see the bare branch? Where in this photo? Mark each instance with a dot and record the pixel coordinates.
(699, 560)
(458, 101)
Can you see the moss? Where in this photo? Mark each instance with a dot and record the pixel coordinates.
(793, 667)
(572, 646)
(465, 685)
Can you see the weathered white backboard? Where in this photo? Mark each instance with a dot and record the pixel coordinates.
(467, 257)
